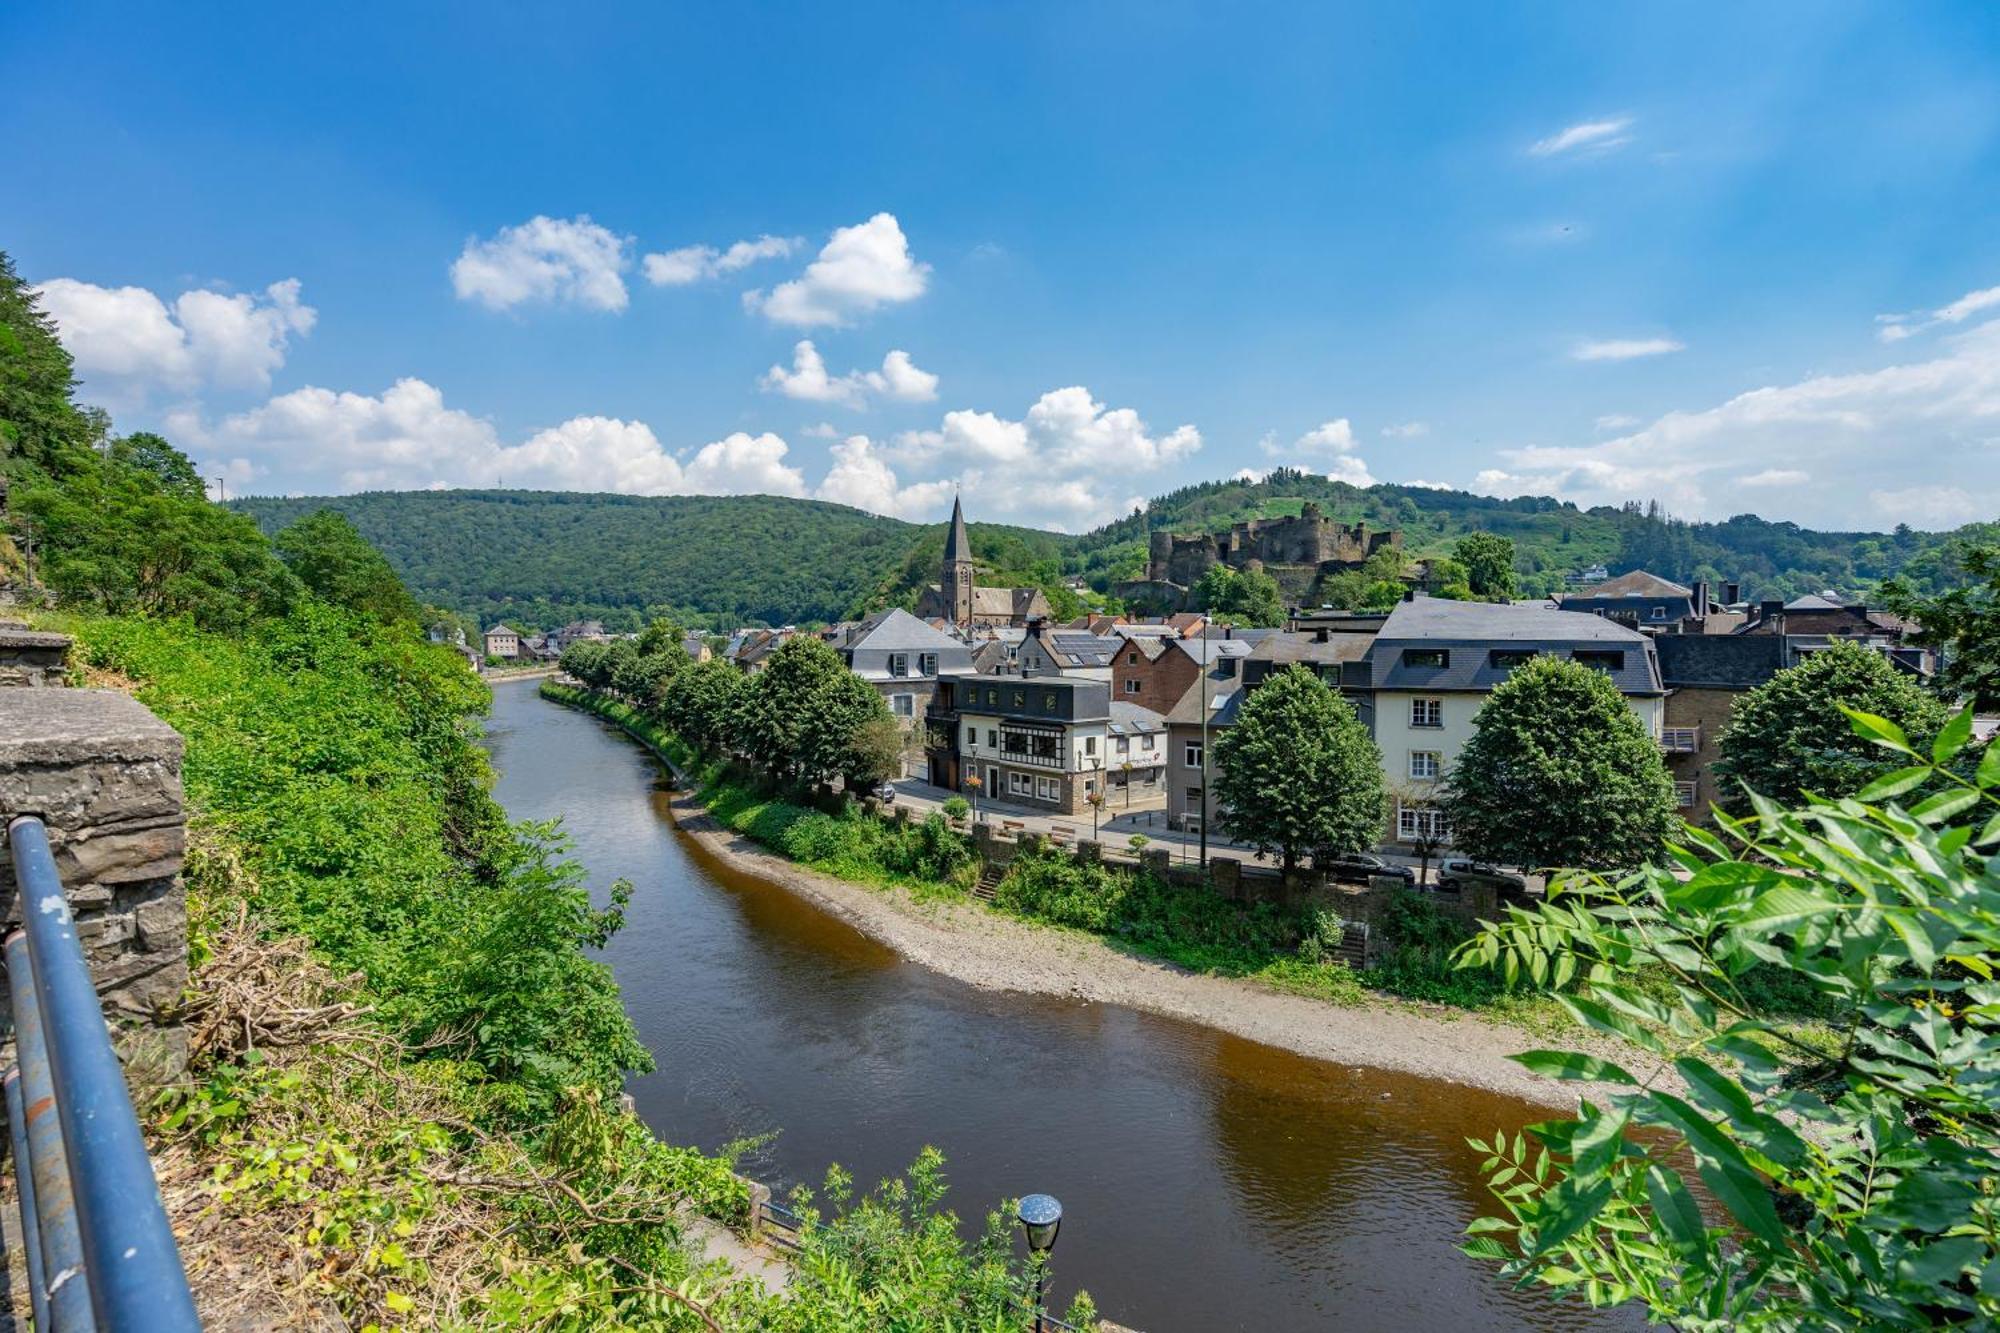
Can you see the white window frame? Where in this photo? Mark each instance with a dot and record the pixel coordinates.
(1191, 754)
(1132, 686)
(899, 664)
(1414, 822)
(1425, 764)
(1684, 795)
(1426, 714)
(903, 705)
(1045, 789)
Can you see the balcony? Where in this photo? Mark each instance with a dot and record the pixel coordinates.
(1680, 740)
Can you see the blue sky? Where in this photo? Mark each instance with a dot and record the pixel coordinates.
(1741, 258)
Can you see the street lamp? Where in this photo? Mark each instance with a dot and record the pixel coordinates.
(973, 784)
(1040, 1217)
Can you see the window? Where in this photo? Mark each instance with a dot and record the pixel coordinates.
(1049, 702)
(1600, 658)
(1680, 740)
(1089, 786)
(1045, 789)
(1131, 687)
(1124, 745)
(1090, 745)
(993, 698)
(1657, 613)
(899, 664)
(1427, 713)
(1506, 659)
(1192, 754)
(903, 705)
(1426, 657)
(1131, 659)
(926, 664)
(1420, 823)
(1020, 698)
(1146, 743)
(1424, 764)
(992, 739)
(972, 738)
(1684, 795)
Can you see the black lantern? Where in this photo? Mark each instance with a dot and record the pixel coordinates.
(1040, 1216)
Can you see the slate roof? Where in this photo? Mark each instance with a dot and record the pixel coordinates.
(1133, 720)
(1083, 650)
(1724, 662)
(957, 546)
(897, 631)
(1307, 646)
(1187, 711)
(1470, 633)
(1638, 583)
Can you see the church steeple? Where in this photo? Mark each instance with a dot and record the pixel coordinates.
(956, 581)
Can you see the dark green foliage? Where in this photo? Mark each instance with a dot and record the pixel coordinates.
(1250, 598)
(701, 703)
(1489, 564)
(803, 716)
(38, 422)
(1559, 772)
(1964, 624)
(1845, 1183)
(1788, 738)
(332, 559)
(333, 750)
(150, 454)
(1298, 773)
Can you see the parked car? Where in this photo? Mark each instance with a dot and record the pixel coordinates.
(1455, 872)
(1360, 867)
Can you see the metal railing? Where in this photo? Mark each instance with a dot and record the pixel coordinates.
(100, 1253)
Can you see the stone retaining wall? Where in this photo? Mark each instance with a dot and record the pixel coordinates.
(104, 775)
(32, 657)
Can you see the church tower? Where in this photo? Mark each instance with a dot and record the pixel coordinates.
(956, 583)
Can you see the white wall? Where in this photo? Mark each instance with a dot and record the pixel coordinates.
(1396, 737)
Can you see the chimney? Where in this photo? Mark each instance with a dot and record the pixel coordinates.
(1772, 613)
(1700, 598)
(1409, 594)
(1732, 593)
(1320, 635)
(1229, 631)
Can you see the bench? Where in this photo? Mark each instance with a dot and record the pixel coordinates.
(1062, 833)
(1011, 826)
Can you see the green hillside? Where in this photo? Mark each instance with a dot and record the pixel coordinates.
(541, 558)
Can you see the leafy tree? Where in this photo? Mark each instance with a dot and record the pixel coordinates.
(589, 662)
(1251, 597)
(1788, 738)
(1217, 589)
(802, 712)
(1851, 1177)
(146, 452)
(660, 635)
(844, 734)
(1448, 578)
(700, 704)
(336, 562)
(1964, 624)
(1298, 773)
(38, 421)
(644, 677)
(1489, 564)
(1559, 772)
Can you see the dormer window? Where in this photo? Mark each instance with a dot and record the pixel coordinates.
(899, 663)
(1602, 659)
(1427, 657)
(1506, 659)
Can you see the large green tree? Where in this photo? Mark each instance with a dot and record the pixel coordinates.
(332, 559)
(1559, 772)
(1788, 738)
(701, 702)
(1849, 1182)
(1489, 564)
(38, 420)
(1297, 773)
(1963, 624)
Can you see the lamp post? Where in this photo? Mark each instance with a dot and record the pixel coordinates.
(1040, 1216)
(1096, 800)
(1206, 803)
(973, 785)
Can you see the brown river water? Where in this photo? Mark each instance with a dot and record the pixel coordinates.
(1207, 1182)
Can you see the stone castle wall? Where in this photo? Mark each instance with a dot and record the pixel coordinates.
(1307, 546)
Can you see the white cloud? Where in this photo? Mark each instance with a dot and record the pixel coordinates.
(1776, 476)
(1624, 349)
(1423, 485)
(1331, 444)
(557, 260)
(822, 430)
(127, 341)
(1895, 328)
(1591, 136)
(695, 263)
(1408, 430)
(808, 380)
(1859, 436)
(862, 477)
(316, 441)
(1616, 421)
(859, 270)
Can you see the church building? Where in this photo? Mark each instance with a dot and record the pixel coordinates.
(957, 596)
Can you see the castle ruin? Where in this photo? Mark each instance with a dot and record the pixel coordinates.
(1297, 552)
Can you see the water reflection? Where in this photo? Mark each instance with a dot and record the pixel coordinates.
(1208, 1182)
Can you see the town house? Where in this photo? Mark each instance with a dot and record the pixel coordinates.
(902, 657)
(1046, 742)
(503, 641)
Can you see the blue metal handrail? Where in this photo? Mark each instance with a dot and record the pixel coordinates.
(123, 1251)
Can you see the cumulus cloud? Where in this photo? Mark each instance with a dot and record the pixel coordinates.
(808, 380)
(697, 263)
(554, 260)
(1624, 349)
(859, 270)
(127, 341)
(1857, 438)
(861, 476)
(316, 440)
(1616, 421)
(1895, 328)
(1588, 137)
(1329, 445)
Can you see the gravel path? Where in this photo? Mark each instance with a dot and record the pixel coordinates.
(996, 952)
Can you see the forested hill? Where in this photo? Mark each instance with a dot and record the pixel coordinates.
(542, 558)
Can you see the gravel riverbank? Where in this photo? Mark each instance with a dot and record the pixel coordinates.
(996, 952)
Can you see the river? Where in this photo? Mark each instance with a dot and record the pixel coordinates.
(1207, 1182)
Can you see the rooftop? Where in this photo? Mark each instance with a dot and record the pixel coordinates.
(1638, 583)
(1439, 618)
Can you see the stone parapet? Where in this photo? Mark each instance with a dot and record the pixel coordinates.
(32, 657)
(104, 775)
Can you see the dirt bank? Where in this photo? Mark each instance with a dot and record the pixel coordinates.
(995, 952)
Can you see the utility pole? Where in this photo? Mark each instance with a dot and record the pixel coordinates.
(1205, 801)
